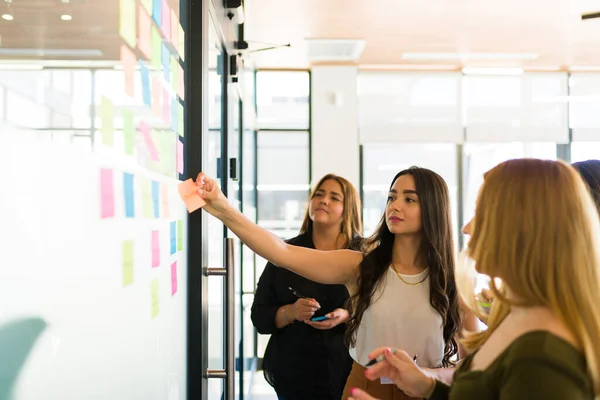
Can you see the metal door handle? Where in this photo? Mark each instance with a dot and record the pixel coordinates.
(229, 372)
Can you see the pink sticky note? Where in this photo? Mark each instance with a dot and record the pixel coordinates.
(166, 20)
(181, 86)
(174, 29)
(107, 193)
(164, 195)
(189, 194)
(128, 61)
(173, 278)
(166, 106)
(155, 249)
(156, 92)
(179, 156)
(144, 31)
(144, 129)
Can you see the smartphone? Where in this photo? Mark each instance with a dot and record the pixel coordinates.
(317, 319)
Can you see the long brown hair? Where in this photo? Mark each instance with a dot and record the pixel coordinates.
(537, 229)
(438, 249)
(590, 172)
(351, 226)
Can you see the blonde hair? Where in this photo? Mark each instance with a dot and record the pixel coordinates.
(537, 229)
(351, 226)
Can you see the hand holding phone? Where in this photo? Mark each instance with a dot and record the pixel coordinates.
(321, 318)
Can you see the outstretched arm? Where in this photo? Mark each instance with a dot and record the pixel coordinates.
(329, 267)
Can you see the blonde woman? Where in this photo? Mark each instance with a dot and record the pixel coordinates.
(537, 229)
(307, 359)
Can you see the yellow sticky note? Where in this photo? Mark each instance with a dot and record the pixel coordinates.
(107, 115)
(154, 297)
(127, 262)
(128, 131)
(127, 22)
(181, 37)
(156, 48)
(147, 5)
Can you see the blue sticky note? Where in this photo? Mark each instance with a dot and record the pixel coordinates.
(145, 74)
(157, 12)
(166, 62)
(155, 198)
(175, 114)
(128, 194)
(173, 237)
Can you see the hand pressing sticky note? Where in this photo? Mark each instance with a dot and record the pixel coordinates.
(189, 193)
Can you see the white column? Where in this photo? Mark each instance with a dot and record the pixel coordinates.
(335, 122)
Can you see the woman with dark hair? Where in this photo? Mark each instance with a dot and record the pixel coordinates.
(590, 172)
(402, 290)
(307, 359)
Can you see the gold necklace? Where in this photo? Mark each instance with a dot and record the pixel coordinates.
(409, 283)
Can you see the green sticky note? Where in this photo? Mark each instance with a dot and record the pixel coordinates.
(179, 235)
(128, 131)
(174, 74)
(156, 48)
(180, 115)
(181, 37)
(127, 262)
(154, 297)
(107, 115)
(127, 22)
(147, 205)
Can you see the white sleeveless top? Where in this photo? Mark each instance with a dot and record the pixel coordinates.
(401, 316)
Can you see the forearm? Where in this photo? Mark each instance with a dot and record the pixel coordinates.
(284, 316)
(442, 374)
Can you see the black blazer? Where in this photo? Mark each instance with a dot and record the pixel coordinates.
(301, 362)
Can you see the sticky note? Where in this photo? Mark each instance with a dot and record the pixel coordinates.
(166, 62)
(147, 6)
(128, 194)
(146, 198)
(189, 194)
(145, 76)
(180, 161)
(127, 262)
(174, 278)
(166, 106)
(107, 115)
(165, 26)
(154, 297)
(181, 83)
(173, 237)
(144, 129)
(164, 195)
(156, 47)
(157, 11)
(144, 32)
(128, 132)
(180, 125)
(107, 193)
(179, 235)
(181, 37)
(175, 74)
(127, 26)
(155, 249)
(156, 95)
(174, 30)
(156, 198)
(174, 114)
(128, 61)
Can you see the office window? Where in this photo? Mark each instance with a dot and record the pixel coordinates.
(582, 151)
(381, 162)
(282, 99)
(481, 157)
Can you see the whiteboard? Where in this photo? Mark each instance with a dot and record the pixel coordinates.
(77, 321)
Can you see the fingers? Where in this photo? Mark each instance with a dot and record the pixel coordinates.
(358, 394)
(309, 303)
(321, 325)
(377, 352)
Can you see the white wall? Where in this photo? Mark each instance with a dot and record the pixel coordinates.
(334, 122)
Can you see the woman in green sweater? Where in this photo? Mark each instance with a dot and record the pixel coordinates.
(539, 234)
